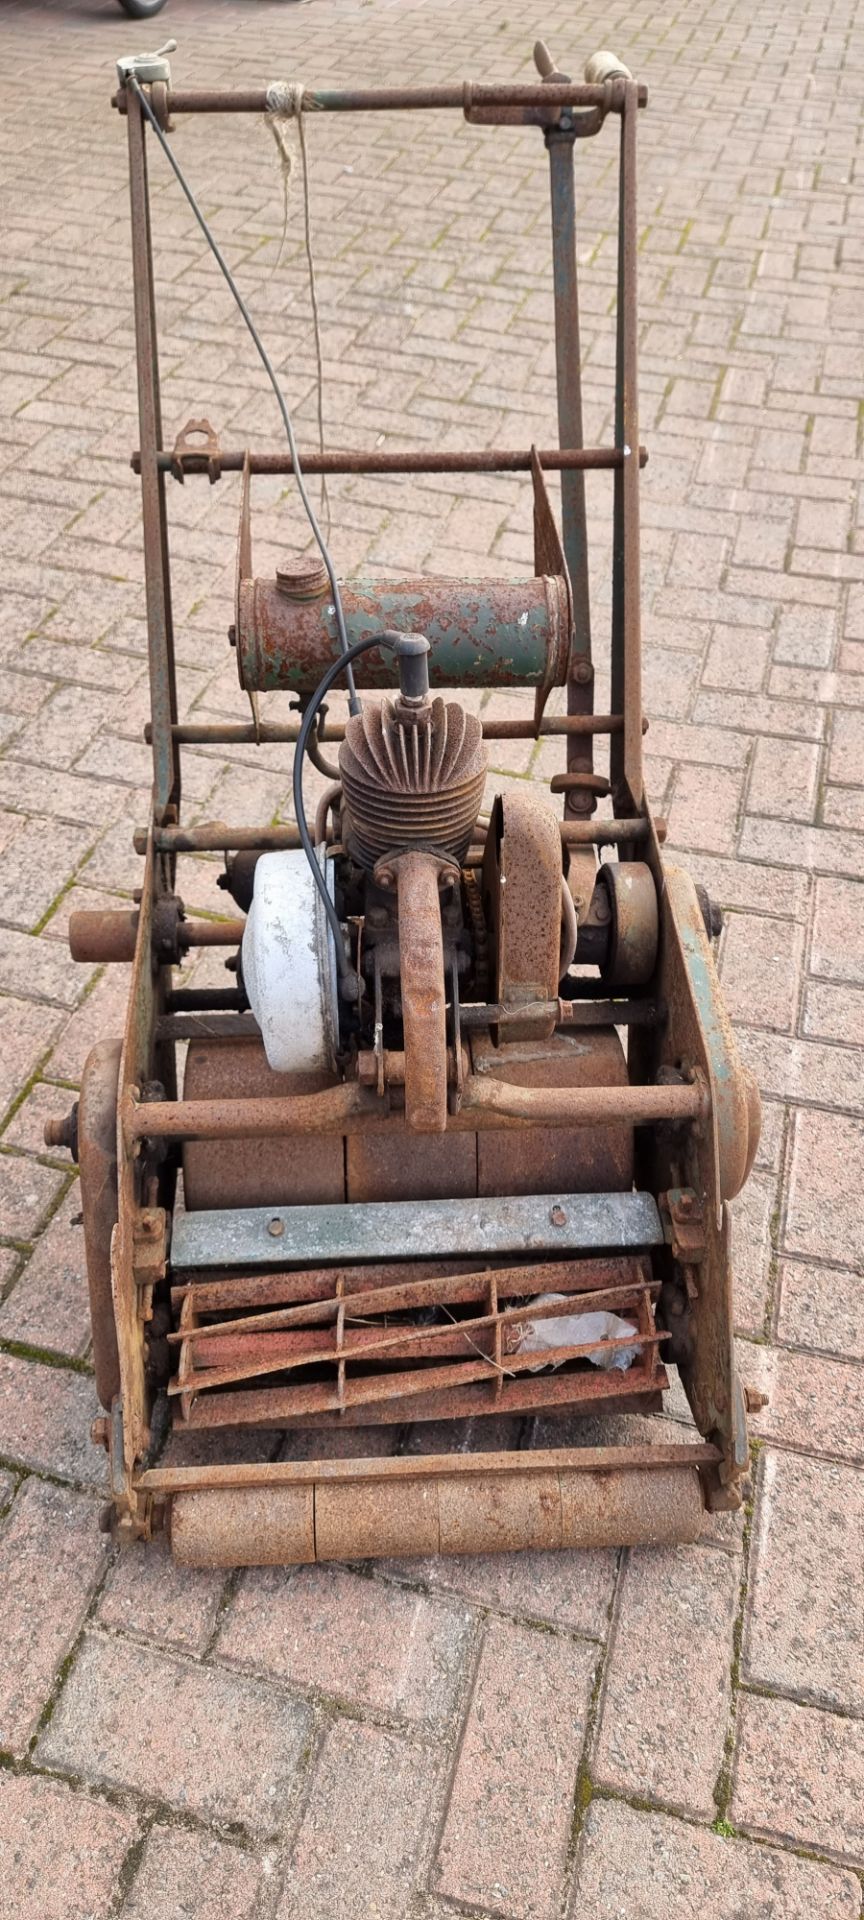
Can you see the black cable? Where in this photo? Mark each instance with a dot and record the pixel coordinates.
(266, 362)
(328, 680)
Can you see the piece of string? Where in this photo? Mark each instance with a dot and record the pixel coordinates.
(285, 104)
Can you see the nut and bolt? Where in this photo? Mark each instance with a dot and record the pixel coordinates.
(276, 1227)
(754, 1401)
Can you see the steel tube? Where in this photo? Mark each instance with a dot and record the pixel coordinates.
(222, 839)
(460, 95)
(626, 751)
(568, 369)
(349, 1108)
(398, 460)
(97, 938)
(243, 732)
(157, 578)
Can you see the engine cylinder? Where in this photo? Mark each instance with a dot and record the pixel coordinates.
(412, 778)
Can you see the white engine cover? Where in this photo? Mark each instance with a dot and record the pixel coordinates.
(289, 965)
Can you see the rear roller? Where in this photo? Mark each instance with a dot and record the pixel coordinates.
(445, 1514)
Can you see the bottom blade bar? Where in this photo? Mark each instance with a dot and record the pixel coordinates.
(532, 1223)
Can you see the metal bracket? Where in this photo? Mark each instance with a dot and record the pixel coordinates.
(683, 1219)
(149, 1254)
(548, 561)
(200, 440)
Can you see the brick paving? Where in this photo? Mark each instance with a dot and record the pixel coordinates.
(601, 1735)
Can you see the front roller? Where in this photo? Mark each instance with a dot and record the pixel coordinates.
(578, 1498)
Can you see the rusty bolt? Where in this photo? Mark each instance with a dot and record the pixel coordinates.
(685, 1204)
(583, 673)
(100, 1431)
(276, 1227)
(63, 1133)
(558, 1217)
(754, 1401)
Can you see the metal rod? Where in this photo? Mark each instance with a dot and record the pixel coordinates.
(243, 732)
(349, 1108)
(570, 1013)
(222, 839)
(424, 1466)
(568, 367)
(626, 752)
(609, 833)
(207, 1026)
(461, 95)
(567, 1013)
(396, 460)
(205, 1000)
(160, 637)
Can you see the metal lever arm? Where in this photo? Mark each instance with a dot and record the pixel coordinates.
(421, 968)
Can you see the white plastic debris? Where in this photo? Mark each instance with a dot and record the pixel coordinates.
(574, 1330)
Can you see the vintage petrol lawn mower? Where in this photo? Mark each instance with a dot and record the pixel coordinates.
(460, 1140)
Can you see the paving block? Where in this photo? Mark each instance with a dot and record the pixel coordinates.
(146, 1593)
(761, 971)
(375, 1645)
(669, 1669)
(644, 1866)
(826, 1177)
(821, 1307)
(571, 1590)
(206, 1742)
(814, 1403)
(838, 930)
(49, 1305)
(802, 1636)
(362, 1830)
(799, 1775)
(61, 1852)
(45, 1419)
(183, 1874)
(51, 1558)
(505, 1837)
(27, 1191)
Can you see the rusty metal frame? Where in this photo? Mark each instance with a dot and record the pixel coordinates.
(564, 111)
(687, 1096)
